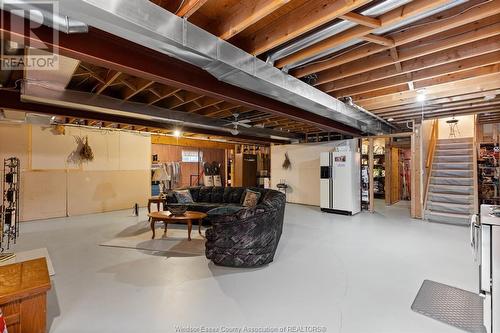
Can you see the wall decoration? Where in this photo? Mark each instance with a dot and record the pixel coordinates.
(86, 153)
(286, 163)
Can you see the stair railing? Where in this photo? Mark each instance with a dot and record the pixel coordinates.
(474, 168)
(430, 159)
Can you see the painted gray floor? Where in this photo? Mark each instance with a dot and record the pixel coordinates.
(349, 274)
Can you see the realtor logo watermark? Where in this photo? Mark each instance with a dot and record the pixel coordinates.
(21, 44)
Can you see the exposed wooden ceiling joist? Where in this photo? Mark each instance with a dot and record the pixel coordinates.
(390, 18)
(448, 20)
(311, 15)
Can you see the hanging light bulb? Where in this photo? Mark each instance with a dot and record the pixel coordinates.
(421, 95)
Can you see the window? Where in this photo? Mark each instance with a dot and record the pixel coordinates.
(190, 156)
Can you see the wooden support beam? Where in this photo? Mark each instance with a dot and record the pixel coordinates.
(473, 16)
(378, 40)
(246, 14)
(138, 87)
(189, 7)
(111, 77)
(390, 18)
(362, 20)
(312, 14)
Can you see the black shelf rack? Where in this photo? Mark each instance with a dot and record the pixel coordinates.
(9, 212)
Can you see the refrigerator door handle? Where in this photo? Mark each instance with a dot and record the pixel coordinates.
(474, 229)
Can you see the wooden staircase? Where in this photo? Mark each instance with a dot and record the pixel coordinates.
(451, 186)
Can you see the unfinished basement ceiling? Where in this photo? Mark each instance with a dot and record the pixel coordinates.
(447, 50)
(385, 56)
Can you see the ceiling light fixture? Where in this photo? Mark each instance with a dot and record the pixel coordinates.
(421, 95)
(177, 133)
(390, 119)
(489, 97)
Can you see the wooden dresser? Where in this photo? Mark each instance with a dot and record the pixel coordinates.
(23, 296)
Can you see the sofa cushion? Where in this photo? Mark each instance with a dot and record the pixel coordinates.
(251, 198)
(217, 194)
(183, 196)
(224, 210)
(232, 195)
(205, 194)
(195, 193)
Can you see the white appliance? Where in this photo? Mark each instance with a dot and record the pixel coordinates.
(340, 179)
(485, 242)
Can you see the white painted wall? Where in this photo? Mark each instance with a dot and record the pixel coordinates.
(303, 178)
(53, 186)
(465, 126)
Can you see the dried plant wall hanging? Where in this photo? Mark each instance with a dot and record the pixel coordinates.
(86, 153)
(286, 163)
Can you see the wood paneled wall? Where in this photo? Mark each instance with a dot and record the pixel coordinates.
(171, 153)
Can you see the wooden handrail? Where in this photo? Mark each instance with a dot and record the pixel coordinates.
(430, 158)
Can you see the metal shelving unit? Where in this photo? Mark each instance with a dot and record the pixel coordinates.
(9, 218)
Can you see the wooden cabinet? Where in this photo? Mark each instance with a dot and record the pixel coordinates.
(23, 296)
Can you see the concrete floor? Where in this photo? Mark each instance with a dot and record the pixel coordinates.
(347, 274)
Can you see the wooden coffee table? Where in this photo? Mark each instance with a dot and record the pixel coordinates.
(167, 218)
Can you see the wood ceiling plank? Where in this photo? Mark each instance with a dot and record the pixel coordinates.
(246, 14)
(478, 84)
(385, 58)
(463, 52)
(312, 14)
(390, 18)
(135, 87)
(362, 20)
(164, 92)
(469, 65)
(470, 16)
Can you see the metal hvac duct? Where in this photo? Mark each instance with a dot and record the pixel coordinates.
(142, 22)
(46, 13)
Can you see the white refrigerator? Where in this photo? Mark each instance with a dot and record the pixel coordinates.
(340, 179)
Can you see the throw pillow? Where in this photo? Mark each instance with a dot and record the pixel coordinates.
(183, 196)
(226, 210)
(251, 198)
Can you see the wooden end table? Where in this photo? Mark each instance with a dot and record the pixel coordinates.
(167, 217)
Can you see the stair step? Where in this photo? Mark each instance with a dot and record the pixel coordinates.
(454, 152)
(447, 207)
(452, 173)
(456, 140)
(451, 189)
(464, 199)
(452, 166)
(452, 158)
(448, 218)
(459, 145)
(462, 181)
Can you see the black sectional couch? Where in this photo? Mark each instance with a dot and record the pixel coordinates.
(245, 238)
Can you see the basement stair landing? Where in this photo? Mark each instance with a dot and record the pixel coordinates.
(451, 189)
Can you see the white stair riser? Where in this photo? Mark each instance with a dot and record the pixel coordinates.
(454, 146)
(452, 159)
(455, 152)
(451, 189)
(458, 140)
(447, 208)
(451, 166)
(437, 197)
(452, 181)
(447, 220)
(452, 173)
